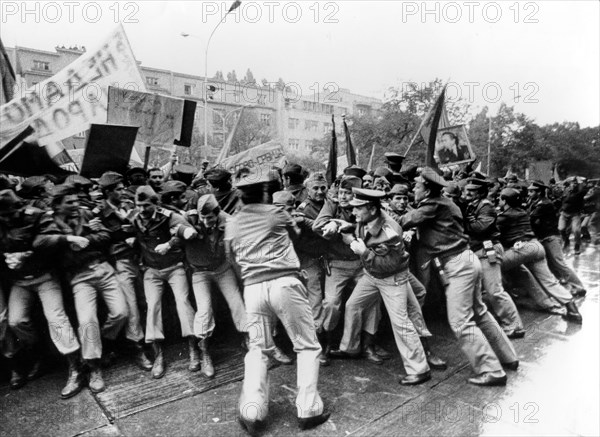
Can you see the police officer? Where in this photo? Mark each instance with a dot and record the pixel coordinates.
(443, 245)
(480, 226)
(270, 271)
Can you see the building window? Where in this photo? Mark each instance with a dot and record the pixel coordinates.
(151, 80)
(187, 89)
(265, 119)
(41, 65)
(311, 125)
(293, 143)
(293, 123)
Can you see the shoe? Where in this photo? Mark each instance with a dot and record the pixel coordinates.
(158, 368)
(416, 379)
(252, 427)
(208, 369)
(337, 353)
(96, 382)
(577, 250)
(324, 360)
(370, 355)
(279, 356)
(433, 360)
(573, 314)
(17, 380)
(141, 360)
(579, 292)
(517, 333)
(383, 354)
(312, 422)
(488, 379)
(513, 365)
(75, 380)
(194, 355)
(35, 371)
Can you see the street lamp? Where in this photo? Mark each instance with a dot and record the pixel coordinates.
(233, 7)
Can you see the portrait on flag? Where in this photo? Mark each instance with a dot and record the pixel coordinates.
(452, 146)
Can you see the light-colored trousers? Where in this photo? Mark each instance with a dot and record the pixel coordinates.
(342, 273)
(127, 275)
(556, 263)
(287, 299)
(224, 277)
(154, 285)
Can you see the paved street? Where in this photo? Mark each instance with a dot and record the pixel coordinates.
(555, 391)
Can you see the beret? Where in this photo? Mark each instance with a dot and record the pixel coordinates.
(400, 189)
(173, 187)
(109, 178)
(145, 192)
(350, 182)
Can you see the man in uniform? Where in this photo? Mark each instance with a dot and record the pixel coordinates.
(270, 271)
(544, 223)
(480, 226)
(443, 245)
(33, 277)
(570, 213)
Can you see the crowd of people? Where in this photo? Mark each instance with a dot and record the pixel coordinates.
(285, 249)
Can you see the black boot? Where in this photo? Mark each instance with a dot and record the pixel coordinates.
(158, 368)
(141, 359)
(194, 355)
(368, 350)
(75, 380)
(434, 361)
(327, 346)
(17, 378)
(573, 314)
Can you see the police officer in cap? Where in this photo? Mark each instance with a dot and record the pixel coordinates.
(443, 246)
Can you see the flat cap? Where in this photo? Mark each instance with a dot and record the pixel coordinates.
(429, 175)
(145, 192)
(207, 204)
(476, 183)
(399, 189)
(217, 175)
(109, 178)
(537, 185)
(509, 193)
(363, 196)
(355, 170)
(136, 170)
(9, 201)
(350, 182)
(285, 198)
(293, 169)
(394, 157)
(170, 187)
(382, 171)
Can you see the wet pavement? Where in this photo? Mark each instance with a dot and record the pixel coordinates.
(555, 391)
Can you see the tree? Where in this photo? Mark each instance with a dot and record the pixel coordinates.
(219, 76)
(250, 132)
(249, 78)
(232, 77)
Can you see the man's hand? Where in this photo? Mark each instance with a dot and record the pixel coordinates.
(78, 242)
(95, 224)
(342, 225)
(189, 233)
(330, 229)
(407, 236)
(130, 241)
(162, 249)
(358, 246)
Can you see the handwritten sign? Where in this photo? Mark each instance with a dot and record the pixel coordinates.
(68, 102)
(158, 117)
(268, 155)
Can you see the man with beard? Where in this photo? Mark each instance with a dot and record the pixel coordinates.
(480, 226)
(443, 245)
(544, 223)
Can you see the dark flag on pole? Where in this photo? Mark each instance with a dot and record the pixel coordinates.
(7, 75)
(331, 171)
(350, 152)
(430, 127)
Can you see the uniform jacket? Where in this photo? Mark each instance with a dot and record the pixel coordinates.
(480, 223)
(543, 218)
(514, 226)
(207, 251)
(309, 244)
(114, 220)
(336, 249)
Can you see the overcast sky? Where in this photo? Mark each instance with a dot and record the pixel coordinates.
(545, 53)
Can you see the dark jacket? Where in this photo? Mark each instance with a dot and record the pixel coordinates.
(310, 244)
(480, 223)
(573, 199)
(206, 252)
(119, 227)
(336, 249)
(385, 255)
(543, 218)
(514, 226)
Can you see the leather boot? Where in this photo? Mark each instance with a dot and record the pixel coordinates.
(17, 378)
(96, 382)
(573, 314)
(141, 360)
(434, 361)
(108, 353)
(280, 356)
(207, 366)
(75, 379)
(194, 355)
(158, 368)
(327, 345)
(368, 350)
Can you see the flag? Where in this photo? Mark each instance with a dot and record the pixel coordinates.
(350, 152)
(370, 165)
(225, 150)
(330, 173)
(430, 127)
(478, 168)
(555, 174)
(31, 160)
(8, 76)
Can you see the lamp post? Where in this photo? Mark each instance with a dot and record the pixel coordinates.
(233, 7)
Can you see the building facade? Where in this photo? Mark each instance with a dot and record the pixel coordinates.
(280, 110)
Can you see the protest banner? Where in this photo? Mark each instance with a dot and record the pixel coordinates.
(68, 102)
(158, 117)
(264, 155)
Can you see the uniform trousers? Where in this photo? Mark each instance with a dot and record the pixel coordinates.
(531, 254)
(480, 337)
(570, 222)
(287, 299)
(395, 291)
(342, 273)
(494, 295)
(224, 277)
(556, 263)
(86, 285)
(313, 268)
(154, 285)
(127, 276)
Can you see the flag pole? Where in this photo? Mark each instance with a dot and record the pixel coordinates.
(489, 151)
